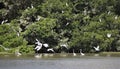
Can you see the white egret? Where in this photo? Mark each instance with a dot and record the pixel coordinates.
(32, 6)
(108, 35)
(67, 23)
(50, 50)
(64, 45)
(17, 53)
(18, 34)
(100, 20)
(97, 48)
(67, 4)
(38, 18)
(46, 45)
(4, 21)
(62, 11)
(74, 54)
(81, 53)
(116, 17)
(37, 40)
(39, 45)
(109, 12)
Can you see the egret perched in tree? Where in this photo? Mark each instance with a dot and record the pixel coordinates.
(97, 49)
(38, 18)
(116, 17)
(32, 6)
(50, 50)
(67, 4)
(74, 54)
(18, 34)
(64, 45)
(81, 53)
(100, 20)
(4, 21)
(109, 12)
(67, 23)
(108, 35)
(62, 11)
(46, 45)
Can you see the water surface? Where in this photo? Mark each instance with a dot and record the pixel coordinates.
(59, 61)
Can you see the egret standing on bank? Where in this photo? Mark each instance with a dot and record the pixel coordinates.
(74, 54)
(81, 53)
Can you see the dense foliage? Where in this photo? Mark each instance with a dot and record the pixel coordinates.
(82, 24)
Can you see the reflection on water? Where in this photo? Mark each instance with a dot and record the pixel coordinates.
(60, 61)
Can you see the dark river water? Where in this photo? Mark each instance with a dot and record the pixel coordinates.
(59, 61)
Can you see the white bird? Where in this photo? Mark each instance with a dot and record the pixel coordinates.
(46, 45)
(4, 21)
(18, 34)
(51, 49)
(62, 11)
(4, 48)
(67, 4)
(38, 18)
(39, 45)
(109, 12)
(97, 48)
(67, 23)
(74, 54)
(32, 6)
(37, 40)
(100, 20)
(17, 53)
(64, 45)
(116, 17)
(108, 35)
(81, 53)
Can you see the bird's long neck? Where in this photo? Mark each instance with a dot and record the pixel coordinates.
(80, 50)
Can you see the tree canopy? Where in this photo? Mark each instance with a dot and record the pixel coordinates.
(82, 24)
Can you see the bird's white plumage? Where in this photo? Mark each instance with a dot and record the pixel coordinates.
(97, 48)
(74, 54)
(46, 45)
(81, 53)
(50, 49)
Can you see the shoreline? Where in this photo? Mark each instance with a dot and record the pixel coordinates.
(104, 53)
